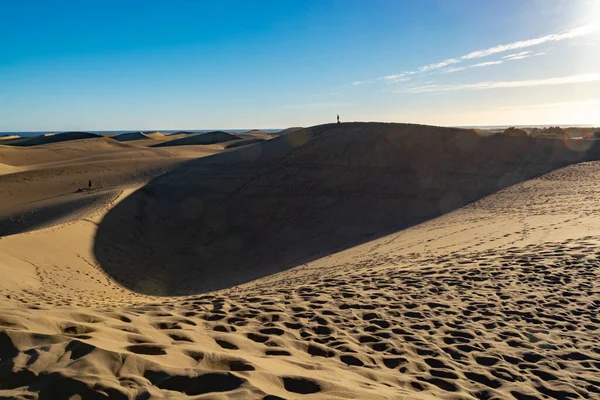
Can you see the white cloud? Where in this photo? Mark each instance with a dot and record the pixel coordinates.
(357, 83)
(396, 78)
(555, 37)
(523, 53)
(423, 89)
(519, 57)
(485, 64)
(449, 70)
(442, 64)
(505, 84)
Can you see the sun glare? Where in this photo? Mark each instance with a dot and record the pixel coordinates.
(591, 12)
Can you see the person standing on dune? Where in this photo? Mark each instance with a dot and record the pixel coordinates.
(338, 119)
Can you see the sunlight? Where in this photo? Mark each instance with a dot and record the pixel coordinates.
(590, 12)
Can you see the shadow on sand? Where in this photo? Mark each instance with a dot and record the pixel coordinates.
(220, 221)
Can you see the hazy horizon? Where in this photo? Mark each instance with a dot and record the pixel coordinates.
(272, 130)
(108, 65)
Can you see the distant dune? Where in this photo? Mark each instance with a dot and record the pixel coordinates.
(132, 136)
(242, 142)
(201, 139)
(54, 138)
(9, 137)
(256, 133)
(182, 133)
(289, 130)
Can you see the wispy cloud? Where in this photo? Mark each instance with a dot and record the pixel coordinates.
(522, 44)
(521, 54)
(555, 37)
(449, 70)
(519, 57)
(582, 78)
(478, 65)
(397, 78)
(485, 64)
(439, 65)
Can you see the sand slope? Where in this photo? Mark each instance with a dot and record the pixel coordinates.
(495, 300)
(242, 142)
(268, 207)
(133, 136)
(65, 151)
(200, 139)
(258, 134)
(47, 184)
(46, 139)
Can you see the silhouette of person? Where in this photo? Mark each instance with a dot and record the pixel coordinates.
(338, 119)
(90, 184)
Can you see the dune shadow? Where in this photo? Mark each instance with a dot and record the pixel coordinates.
(49, 139)
(45, 213)
(223, 220)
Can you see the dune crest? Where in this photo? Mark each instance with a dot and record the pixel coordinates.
(51, 138)
(200, 139)
(133, 136)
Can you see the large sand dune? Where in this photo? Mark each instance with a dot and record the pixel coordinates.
(238, 216)
(397, 262)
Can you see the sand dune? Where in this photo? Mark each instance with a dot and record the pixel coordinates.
(54, 138)
(72, 151)
(289, 130)
(133, 136)
(303, 196)
(182, 133)
(258, 134)
(44, 185)
(200, 139)
(395, 262)
(242, 142)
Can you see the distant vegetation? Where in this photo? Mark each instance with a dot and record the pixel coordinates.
(554, 132)
(512, 131)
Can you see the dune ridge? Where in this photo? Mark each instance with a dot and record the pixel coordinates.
(133, 136)
(200, 139)
(53, 138)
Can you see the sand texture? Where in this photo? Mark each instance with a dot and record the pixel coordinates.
(350, 261)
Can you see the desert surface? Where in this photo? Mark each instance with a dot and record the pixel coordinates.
(341, 261)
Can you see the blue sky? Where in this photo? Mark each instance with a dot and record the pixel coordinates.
(191, 64)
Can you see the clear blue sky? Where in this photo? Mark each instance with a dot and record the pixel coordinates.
(191, 64)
